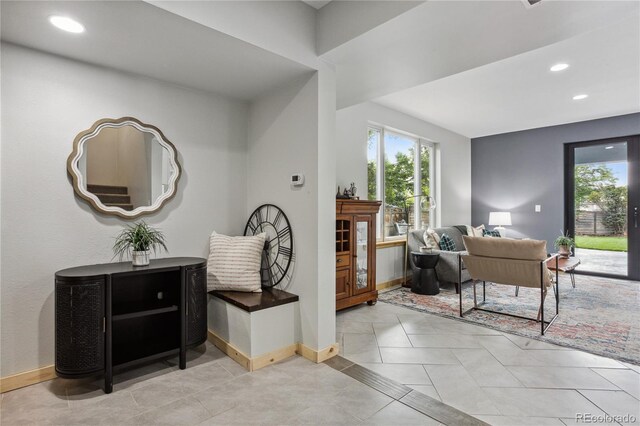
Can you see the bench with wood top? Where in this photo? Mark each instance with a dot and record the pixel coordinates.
(255, 329)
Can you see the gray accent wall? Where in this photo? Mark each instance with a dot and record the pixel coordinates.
(515, 171)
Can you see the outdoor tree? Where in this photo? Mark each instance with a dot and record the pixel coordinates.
(372, 166)
(595, 183)
(399, 179)
(612, 200)
(589, 180)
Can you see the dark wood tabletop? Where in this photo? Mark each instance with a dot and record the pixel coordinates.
(565, 264)
(251, 302)
(168, 263)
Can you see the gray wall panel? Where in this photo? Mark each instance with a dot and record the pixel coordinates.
(515, 171)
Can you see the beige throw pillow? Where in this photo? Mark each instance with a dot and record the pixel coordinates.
(477, 231)
(234, 263)
(431, 238)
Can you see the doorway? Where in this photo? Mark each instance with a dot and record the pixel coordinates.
(602, 205)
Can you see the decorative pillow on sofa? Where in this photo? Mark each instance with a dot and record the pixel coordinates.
(476, 231)
(234, 263)
(487, 233)
(431, 238)
(447, 243)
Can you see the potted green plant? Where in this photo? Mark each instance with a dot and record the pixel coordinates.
(564, 243)
(138, 240)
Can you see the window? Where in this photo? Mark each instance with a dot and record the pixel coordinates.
(400, 167)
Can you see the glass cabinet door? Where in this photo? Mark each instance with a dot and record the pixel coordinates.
(362, 261)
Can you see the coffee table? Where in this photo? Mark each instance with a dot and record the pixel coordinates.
(567, 265)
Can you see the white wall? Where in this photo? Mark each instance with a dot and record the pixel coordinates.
(287, 28)
(453, 154)
(46, 102)
(284, 136)
(389, 264)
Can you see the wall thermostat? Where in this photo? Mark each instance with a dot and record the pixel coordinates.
(297, 179)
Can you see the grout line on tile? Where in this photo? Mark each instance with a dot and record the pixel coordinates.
(205, 408)
(587, 398)
(385, 406)
(405, 331)
(377, 343)
(618, 387)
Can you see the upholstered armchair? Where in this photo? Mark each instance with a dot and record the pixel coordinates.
(510, 262)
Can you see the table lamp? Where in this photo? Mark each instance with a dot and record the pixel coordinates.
(499, 219)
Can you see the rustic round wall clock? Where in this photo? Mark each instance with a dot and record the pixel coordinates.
(278, 253)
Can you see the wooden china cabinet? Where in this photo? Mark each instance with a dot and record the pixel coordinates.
(356, 252)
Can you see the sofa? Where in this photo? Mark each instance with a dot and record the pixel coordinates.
(447, 267)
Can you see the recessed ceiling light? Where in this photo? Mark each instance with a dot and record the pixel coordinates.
(559, 67)
(66, 24)
(608, 147)
(579, 97)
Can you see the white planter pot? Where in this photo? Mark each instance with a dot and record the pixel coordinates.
(564, 251)
(140, 258)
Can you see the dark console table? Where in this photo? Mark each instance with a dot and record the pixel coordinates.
(115, 315)
(425, 279)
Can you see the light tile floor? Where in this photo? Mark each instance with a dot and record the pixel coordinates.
(497, 377)
(212, 390)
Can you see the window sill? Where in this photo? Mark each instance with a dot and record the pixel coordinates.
(390, 243)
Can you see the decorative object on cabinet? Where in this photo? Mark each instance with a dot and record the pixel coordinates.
(278, 256)
(234, 262)
(339, 194)
(124, 167)
(432, 205)
(356, 252)
(113, 316)
(353, 189)
(138, 240)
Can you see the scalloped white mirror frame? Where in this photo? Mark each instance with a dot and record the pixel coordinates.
(79, 184)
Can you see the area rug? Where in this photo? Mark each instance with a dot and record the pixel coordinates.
(600, 315)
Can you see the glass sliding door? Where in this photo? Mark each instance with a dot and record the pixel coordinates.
(601, 203)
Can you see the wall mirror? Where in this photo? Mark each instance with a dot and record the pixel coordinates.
(124, 167)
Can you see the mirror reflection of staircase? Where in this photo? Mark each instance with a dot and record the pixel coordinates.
(113, 196)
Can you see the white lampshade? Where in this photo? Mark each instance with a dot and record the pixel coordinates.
(500, 218)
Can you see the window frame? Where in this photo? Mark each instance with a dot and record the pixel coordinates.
(420, 142)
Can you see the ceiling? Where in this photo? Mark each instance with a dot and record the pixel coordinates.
(317, 4)
(481, 67)
(474, 67)
(520, 92)
(137, 37)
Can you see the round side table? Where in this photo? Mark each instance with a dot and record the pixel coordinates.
(425, 280)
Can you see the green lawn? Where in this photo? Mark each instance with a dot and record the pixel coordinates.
(602, 243)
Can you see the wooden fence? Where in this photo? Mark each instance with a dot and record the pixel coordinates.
(590, 223)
